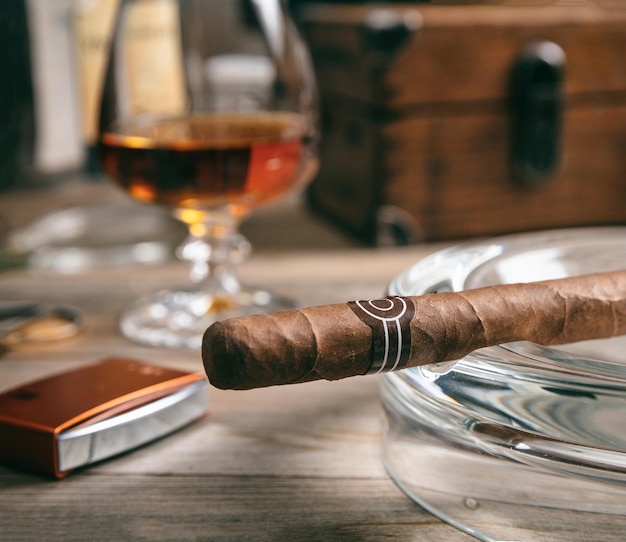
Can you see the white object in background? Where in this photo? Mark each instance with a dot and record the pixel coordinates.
(59, 144)
(240, 81)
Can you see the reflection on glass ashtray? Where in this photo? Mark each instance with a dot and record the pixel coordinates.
(518, 441)
(99, 235)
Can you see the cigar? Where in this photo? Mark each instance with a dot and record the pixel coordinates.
(364, 337)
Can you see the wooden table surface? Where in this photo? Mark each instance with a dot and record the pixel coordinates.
(289, 463)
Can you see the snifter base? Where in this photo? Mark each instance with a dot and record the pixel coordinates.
(179, 319)
(515, 442)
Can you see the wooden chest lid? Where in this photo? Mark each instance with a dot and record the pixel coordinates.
(403, 55)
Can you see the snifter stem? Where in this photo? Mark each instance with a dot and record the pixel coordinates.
(214, 248)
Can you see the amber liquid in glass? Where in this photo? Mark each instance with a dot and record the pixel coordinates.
(207, 160)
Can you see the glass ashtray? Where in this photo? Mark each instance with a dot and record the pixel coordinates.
(518, 441)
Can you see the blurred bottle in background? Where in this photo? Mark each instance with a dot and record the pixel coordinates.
(53, 56)
(93, 23)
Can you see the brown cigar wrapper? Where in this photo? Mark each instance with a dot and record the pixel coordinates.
(332, 341)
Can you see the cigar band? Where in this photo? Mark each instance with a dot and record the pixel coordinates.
(389, 320)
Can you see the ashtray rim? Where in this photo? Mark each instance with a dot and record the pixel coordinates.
(455, 268)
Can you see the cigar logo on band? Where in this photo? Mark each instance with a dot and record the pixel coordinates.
(389, 319)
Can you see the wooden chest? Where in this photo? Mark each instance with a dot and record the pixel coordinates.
(444, 122)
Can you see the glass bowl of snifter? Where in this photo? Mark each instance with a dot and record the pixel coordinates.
(518, 441)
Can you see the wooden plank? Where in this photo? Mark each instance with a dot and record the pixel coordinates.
(216, 508)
